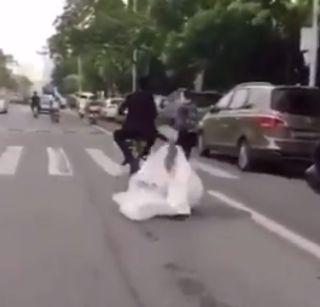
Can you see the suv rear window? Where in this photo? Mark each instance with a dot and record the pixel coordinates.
(297, 101)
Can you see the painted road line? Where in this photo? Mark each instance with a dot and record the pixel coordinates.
(59, 164)
(107, 164)
(272, 226)
(212, 170)
(9, 160)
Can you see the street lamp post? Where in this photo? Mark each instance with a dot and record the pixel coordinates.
(315, 45)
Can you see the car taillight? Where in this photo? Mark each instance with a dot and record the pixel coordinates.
(271, 122)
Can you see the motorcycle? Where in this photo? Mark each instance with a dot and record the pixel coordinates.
(138, 150)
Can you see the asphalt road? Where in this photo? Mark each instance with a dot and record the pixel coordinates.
(63, 242)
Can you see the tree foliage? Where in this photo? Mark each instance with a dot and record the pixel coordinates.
(230, 41)
(6, 78)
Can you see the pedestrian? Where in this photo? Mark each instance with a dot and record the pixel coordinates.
(35, 102)
(186, 123)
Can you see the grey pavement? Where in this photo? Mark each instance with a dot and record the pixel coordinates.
(63, 242)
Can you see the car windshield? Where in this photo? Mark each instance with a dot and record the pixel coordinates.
(297, 101)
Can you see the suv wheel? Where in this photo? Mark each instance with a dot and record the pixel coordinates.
(202, 149)
(245, 158)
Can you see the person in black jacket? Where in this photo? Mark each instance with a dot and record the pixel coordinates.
(139, 124)
(35, 102)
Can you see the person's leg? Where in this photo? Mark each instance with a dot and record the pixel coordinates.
(187, 151)
(120, 137)
(183, 142)
(150, 141)
(191, 142)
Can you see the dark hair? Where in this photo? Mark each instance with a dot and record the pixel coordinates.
(144, 83)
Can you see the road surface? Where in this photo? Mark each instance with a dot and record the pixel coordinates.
(254, 242)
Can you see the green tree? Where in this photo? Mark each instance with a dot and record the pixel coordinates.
(229, 41)
(6, 79)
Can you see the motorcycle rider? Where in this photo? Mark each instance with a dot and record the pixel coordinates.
(139, 124)
(35, 102)
(92, 109)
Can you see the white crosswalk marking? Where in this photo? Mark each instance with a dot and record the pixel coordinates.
(9, 160)
(211, 170)
(108, 165)
(59, 164)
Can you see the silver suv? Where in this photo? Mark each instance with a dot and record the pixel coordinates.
(261, 121)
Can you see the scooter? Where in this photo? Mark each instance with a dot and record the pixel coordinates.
(81, 114)
(35, 112)
(93, 114)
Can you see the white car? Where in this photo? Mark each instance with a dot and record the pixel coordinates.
(45, 103)
(4, 105)
(111, 107)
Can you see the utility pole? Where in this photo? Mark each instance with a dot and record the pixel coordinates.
(135, 56)
(315, 45)
(79, 62)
